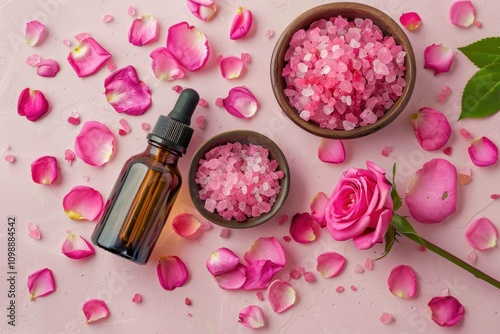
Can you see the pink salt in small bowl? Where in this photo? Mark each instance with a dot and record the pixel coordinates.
(336, 129)
(274, 165)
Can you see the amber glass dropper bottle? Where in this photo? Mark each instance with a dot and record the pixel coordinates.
(141, 199)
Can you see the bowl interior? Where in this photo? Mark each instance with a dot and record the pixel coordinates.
(244, 137)
(349, 11)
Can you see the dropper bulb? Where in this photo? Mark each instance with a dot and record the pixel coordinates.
(185, 106)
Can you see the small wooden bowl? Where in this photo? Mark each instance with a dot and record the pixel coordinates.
(350, 11)
(244, 137)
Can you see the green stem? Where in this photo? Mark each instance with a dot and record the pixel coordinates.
(438, 250)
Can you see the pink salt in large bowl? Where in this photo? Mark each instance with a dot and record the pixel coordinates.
(244, 137)
(349, 11)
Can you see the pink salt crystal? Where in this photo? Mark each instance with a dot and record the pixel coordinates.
(189, 315)
(69, 156)
(200, 121)
(287, 238)
(131, 10)
(107, 18)
(465, 133)
(495, 196)
(34, 234)
(368, 263)
(86, 178)
(137, 298)
(246, 57)
(224, 233)
(442, 98)
(282, 219)
(446, 90)
(386, 151)
(339, 289)
(447, 150)
(6, 147)
(111, 66)
(33, 59)
(260, 296)
(422, 248)
(309, 277)
(178, 89)
(472, 257)
(464, 175)
(74, 118)
(10, 158)
(81, 36)
(66, 42)
(353, 288)
(298, 38)
(295, 274)
(358, 269)
(269, 33)
(126, 127)
(187, 301)
(478, 24)
(300, 269)
(145, 126)
(205, 225)
(386, 318)
(444, 292)
(219, 102)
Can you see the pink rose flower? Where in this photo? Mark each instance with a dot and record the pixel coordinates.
(360, 207)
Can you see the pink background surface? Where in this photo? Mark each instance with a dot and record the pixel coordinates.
(319, 308)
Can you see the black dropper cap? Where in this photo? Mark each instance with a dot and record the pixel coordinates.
(173, 131)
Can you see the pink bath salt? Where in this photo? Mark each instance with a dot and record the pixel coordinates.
(200, 121)
(224, 233)
(422, 248)
(442, 98)
(269, 34)
(74, 118)
(343, 74)
(465, 133)
(178, 89)
(495, 196)
(107, 18)
(188, 301)
(145, 126)
(472, 257)
(10, 158)
(478, 24)
(358, 269)
(386, 318)
(309, 277)
(282, 219)
(246, 57)
(446, 90)
(386, 151)
(287, 238)
(202, 102)
(238, 181)
(260, 296)
(219, 102)
(125, 126)
(447, 150)
(340, 289)
(353, 288)
(131, 10)
(368, 264)
(66, 42)
(295, 274)
(111, 66)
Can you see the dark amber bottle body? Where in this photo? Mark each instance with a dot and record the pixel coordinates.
(139, 204)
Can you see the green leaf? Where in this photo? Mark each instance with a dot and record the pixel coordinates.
(483, 52)
(396, 199)
(403, 226)
(390, 237)
(481, 96)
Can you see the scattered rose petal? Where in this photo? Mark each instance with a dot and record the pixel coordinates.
(69, 156)
(410, 20)
(483, 152)
(41, 283)
(269, 34)
(35, 33)
(126, 93)
(10, 158)
(431, 195)
(482, 234)
(330, 264)
(386, 318)
(137, 298)
(88, 57)
(131, 10)
(186, 225)
(231, 67)
(465, 175)
(386, 151)
(339, 289)
(83, 203)
(107, 18)
(260, 273)
(303, 228)
(252, 316)
(144, 30)
(76, 247)
(95, 309)
(402, 282)
(233, 279)
(464, 133)
(240, 102)
(246, 57)
(172, 272)
(33, 59)
(188, 45)
(317, 207)
(462, 13)
(431, 127)
(44, 170)
(200, 121)
(165, 66)
(202, 9)
(266, 248)
(368, 263)
(438, 58)
(222, 261)
(95, 143)
(281, 296)
(331, 150)
(224, 233)
(446, 311)
(241, 25)
(32, 104)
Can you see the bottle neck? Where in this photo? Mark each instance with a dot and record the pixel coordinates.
(162, 153)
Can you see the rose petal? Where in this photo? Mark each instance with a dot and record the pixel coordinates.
(188, 45)
(318, 206)
(303, 228)
(126, 93)
(241, 24)
(410, 20)
(95, 143)
(330, 264)
(462, 13)
(266, 248)
(281, 296)
(35, 33)
(143, 30)
(446, 311)
(371, 237)
(172, 272)
(44, 170)
(482, 234)
(331, 150)
(202, 9)
(41, 283)
(32, 104)
(233, 279)
(431, 195)
(438, 58)
(88, 57)
(95, 309)
(483, 152)
(83, 203)
(221, 261)
(252, 316)
(76, 247)
(186, 225)
(431, 128)
(231, 67)
(402, 282)
(240, 102)
(260, 273)
(165, 66)
(47, 68)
